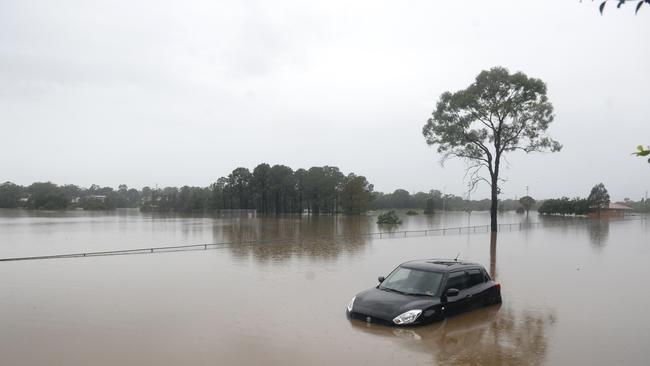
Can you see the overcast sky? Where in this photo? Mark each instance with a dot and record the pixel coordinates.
(175, 93)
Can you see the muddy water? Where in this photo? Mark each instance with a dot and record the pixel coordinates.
(573, 294)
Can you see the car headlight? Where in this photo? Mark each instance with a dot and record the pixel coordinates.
(351, 304)
(408, 317)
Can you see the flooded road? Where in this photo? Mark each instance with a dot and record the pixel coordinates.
(572, 294)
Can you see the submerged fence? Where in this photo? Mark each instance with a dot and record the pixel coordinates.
(389, 234)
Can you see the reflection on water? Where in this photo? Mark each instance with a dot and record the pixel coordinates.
(598, 232)
(495, 335)
(310, 236)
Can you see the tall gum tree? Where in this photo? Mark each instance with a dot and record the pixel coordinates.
(497, 114)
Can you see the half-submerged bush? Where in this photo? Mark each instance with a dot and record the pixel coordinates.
(389, 217)
(411, 212)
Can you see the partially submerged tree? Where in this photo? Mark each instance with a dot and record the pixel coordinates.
(527, 203)
(497, 114)
(598, 198)
(388, 218)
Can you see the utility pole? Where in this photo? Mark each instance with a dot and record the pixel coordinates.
(527, 191)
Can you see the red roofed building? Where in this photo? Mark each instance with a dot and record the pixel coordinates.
(615, 210)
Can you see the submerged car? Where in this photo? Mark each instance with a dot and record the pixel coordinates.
(422, 291)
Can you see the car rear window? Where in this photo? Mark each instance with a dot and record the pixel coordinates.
(457, 280)
(476, 277)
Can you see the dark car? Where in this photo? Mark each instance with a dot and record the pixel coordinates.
(422, 291)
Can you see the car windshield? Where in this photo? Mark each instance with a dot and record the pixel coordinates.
(412, 282)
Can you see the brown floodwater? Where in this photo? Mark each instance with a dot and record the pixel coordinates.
(574, 292)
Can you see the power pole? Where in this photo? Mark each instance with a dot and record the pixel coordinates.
(527, 190)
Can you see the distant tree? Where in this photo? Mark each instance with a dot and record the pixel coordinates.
(133, 197)
(598, 198)
(260, 182)
(401, 199)
(239, 181)
(527, 203)
(321, 188)
(10, 195)
(282, 189)
(299, 179)
(356, 194)
(429, 207)
(218, 196)
(497, 114)
(46, 196)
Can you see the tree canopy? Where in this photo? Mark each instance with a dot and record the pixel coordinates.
(527, 202)
(599, 197)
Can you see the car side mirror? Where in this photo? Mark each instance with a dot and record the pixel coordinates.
(381, 279)
(452, 292)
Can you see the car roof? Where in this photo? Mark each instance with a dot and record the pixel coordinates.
(439, 265)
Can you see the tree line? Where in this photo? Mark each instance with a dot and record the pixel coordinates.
(276, 189)
(597, 200)
(434, 199)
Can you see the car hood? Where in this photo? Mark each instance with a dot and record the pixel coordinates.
(387, 305)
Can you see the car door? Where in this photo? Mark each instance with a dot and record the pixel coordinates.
(477, 289)
(459, 281)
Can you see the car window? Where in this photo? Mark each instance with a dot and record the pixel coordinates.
(486, 276)
(398, 275)
(475, 277)
(413, 281)
(457, 280)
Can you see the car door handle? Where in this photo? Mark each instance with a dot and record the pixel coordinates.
(470, 295)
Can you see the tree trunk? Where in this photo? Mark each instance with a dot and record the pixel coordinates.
(493, 255)
(493, 207)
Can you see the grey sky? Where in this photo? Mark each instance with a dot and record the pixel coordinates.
(174, 93)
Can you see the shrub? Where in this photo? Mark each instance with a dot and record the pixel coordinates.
(411, 212)
(389, 218)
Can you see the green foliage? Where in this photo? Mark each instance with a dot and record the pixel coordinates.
(91, 204)
(10, 195)
(598, 198)
(429, 209)
(46, 196)
(527, 202)
(356, 194)
(389, 218)
(411, 212)
(640, 151)
(564, 206)
(400, 198)
(642, 205)
(620, 3)
(497, 114)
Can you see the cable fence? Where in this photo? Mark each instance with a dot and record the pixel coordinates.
(388, 234)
